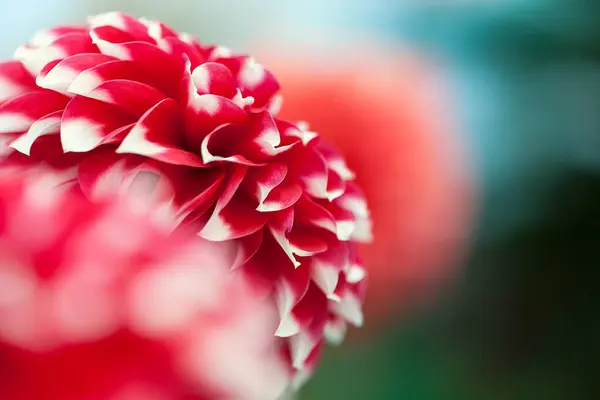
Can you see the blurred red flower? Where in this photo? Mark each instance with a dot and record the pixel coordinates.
(390, 114)
(102, 303)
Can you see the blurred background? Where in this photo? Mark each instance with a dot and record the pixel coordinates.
(474, 126)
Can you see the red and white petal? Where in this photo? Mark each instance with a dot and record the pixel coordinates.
(61, 75)
(154, 136)
(206, 113)
(355, 271)
(36, 58)
(297, 131)
(281, 197)
(132, 97)
(275, 104)
(279, 225)
(270, 189)
(46, 37)
(123, 22)
(327, 266)
(311, 315)
(263, 270)
(304, 374)
(336, 186)
(102, 172)
(349, 305)
(214, 78)
(86, 123)
(312, 171)
(345, 221)
(176, 47)
(237, 219)
(311, 213)
(197, 188)
(335, 330)
(167, 70)
(266, 140)
(353, 201)
(17, 114)
(290, 290)
(308, 241)
(226, 144)
(336, 162)
(47, 149)
(247, 247)
(158, 30)
(217, 53)
(253, 78)
(91, 78)
(14, 80)
(47, 125)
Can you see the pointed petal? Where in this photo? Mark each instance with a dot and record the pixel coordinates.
(206, 113)
(132, 97)
(237, 219)
(225, 144)
(296, 132)
(247, 247)
(279, 225)
(48, 36)
(311, 315)
(102, 172)
(61, 75)
(335, 161)
(265, 137)
(253, 78)
(336, 186)
(91, 78)
(349, 303)
(36, 58)
(199, 190)
(307, 241)
(311, 213)
(167, 70)
(154, 136)
(87, 122)
(135, 29)
(327, 267)
(17, 114)
(14, 80)
(214, 78)
(281, 197)
(48, 124)
(311, 168)
(291, 289)
(335, 330)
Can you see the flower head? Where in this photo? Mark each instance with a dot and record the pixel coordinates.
(123, 97)
(97, 302)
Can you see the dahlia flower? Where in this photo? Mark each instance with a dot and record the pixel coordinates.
(423, 217)
(121, 96)
(97, 302)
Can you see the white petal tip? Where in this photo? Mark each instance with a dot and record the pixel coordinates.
(287, 327)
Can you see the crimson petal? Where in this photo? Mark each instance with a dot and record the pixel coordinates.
(17, 114)
(154, 136)
(87, 122)
(60, 76)
(14, 80)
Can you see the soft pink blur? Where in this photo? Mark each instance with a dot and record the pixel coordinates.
(100, 302)
(389, 112)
